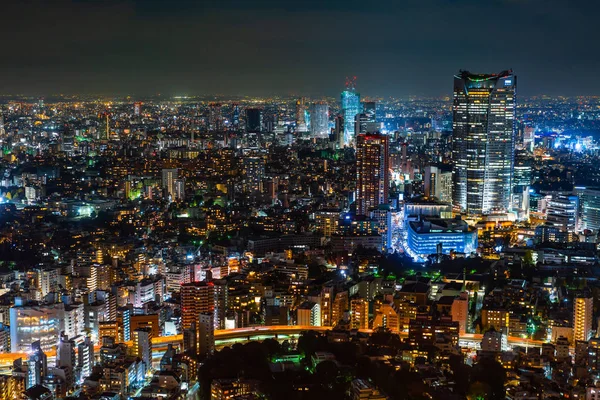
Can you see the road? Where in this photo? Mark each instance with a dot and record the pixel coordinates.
(242, 335)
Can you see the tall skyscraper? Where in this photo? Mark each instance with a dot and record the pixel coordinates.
(254, 171)
(206, 333)
(589, 199)
(254, 120)
(196, 297)
(37, 365)
(438, 184)
(301, 120)
(563, 213)
(319, 120)
(350, 108)
(339, 131)
(137, 108)
(372, 172)
(583, 308)
(521, 184)
(366, 122)
(483, 141)
(169, 176)
(142, 345)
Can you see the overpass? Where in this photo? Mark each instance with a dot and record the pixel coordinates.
(229, 337)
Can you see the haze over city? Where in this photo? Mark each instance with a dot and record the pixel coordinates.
(268, 47)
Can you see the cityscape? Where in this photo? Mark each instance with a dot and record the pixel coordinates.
(342, 244)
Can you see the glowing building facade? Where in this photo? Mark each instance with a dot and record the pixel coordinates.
(483, 141)
(372, 172)
(437, 235)
(319, 120)
(350, 108)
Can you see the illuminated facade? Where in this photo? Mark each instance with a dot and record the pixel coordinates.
(196, 297)
(319, 120)
(590, 208)
(169, 176)
(425, 236)
(372, 172)
(583, 309)
(30, 323)
(483, 141)
(350, 108)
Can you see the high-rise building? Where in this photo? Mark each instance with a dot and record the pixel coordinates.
(179, 186)
(359, 314)
(589, 200)
(366, 122)
(528, 138)
(196, 298)
(563, 213)
(68, 142)
(338, 131)
(206, 333)
(33, 322)
(169, 176)
(142, 345)
(301, 118)
(460, 312)
(137, 108)
(583, 309)
(521, 185)
(350, 108)
(438, 184)
(319, 120)
(221, 292)
(254, 120)
(37, 365)
(309, 314)
(372, 172)
(254, 171)
(483, 141)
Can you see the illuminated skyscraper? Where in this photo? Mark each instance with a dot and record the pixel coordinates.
(196, 297)
(521, 184)
(142, 345)
(169, 176)
(350, 108)
(319, 120)
(366, 122)
(301, 120)
(37, 365)
(137, 108)
(583, 309)
(372, 172)
(438, 184)
(483, 141)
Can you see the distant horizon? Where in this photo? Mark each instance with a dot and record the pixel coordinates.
(122, 97)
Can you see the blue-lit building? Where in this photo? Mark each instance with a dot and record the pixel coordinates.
(428, 236)
(350, 108)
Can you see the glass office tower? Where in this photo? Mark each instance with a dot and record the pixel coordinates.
(350, 108)
(483, 141)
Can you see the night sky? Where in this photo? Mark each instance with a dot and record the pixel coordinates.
(246, 47)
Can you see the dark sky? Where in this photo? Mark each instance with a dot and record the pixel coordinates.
(246, 47)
